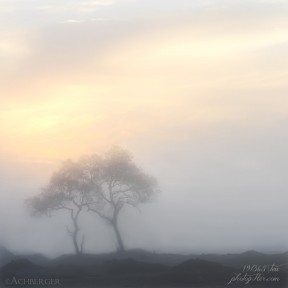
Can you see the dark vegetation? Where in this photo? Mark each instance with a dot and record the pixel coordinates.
(137, 268)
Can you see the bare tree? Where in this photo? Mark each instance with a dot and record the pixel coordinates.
(119, 183)
(68, 190)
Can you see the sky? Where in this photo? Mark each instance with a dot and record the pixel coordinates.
(196, 90)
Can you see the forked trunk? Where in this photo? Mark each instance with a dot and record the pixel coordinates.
(75, 233)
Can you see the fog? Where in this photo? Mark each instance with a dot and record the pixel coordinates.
(197, 93)
(230, 199)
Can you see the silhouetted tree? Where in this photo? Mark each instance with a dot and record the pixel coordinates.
(117, 182)
(69, 190)
(103, 185)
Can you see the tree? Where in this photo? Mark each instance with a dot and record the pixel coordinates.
(68, 190)
(103, 185)
(119, 183)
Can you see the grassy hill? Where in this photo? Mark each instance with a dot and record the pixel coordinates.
(137, 268)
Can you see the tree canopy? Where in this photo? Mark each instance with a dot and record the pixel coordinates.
(100, 184)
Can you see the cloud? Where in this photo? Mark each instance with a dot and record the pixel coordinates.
(97, 3)
(72, 21)
(44, 12)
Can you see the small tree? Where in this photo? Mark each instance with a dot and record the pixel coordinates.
(119, 183)
(68, 190)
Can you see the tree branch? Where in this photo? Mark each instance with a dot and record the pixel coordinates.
(99, 214)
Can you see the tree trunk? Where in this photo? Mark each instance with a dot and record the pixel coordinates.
(120, 243)
(75, 243)
(74, 234)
